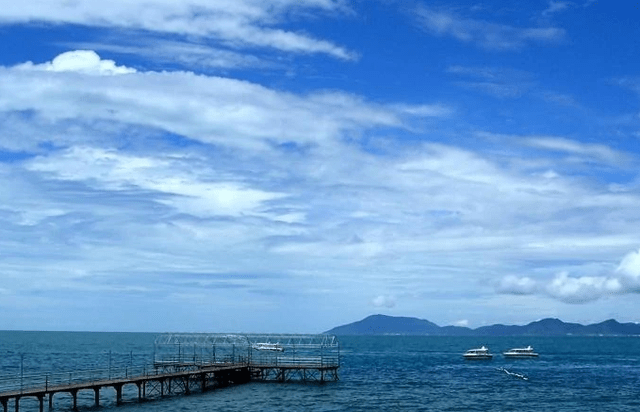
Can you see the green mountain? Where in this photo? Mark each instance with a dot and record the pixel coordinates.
(394, 325)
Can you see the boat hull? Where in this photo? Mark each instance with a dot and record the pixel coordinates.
(520, 356)
(478, 357)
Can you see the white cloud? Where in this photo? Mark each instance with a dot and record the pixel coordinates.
(237, 23)
(630, 264)
(485, 34)
(384, 301)
(514, 285)
(629, 271)
(462, 323)
(582, 289)
(80, 61)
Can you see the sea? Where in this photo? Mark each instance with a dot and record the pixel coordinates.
(377, 373)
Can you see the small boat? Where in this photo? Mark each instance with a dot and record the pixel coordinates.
(520, 353)
(274, 347)
(478, 354)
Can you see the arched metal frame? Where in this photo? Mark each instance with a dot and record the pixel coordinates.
(183, 351)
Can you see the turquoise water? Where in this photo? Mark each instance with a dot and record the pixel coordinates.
(389, 373)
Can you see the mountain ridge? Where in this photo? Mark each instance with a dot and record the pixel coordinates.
(401, 325)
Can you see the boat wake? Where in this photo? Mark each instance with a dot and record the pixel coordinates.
(515, 375)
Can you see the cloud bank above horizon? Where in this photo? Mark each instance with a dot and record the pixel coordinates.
(289, 186)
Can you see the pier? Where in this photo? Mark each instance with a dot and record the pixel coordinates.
(183, 364)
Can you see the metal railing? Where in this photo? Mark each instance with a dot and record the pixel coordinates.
(288, 361)
(48, 380)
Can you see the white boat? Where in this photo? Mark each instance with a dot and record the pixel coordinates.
(478, 354)
(274, 347)
(520, 353)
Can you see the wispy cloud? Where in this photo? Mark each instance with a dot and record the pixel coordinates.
(488, 35)
(563, 153)
(556, 7)
(585, 151)
(494, 81)
(213, 110)
(184, 192)
(514, 285)
(193, 55)
(236, 23)
(631, 83)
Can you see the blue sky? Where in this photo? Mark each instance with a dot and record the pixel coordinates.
(293, 165)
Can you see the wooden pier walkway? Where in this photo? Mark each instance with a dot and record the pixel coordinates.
(228, 363)
(164, 383)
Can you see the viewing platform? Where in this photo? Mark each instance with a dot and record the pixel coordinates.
(182, 364)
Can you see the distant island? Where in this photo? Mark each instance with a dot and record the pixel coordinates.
(394, 325)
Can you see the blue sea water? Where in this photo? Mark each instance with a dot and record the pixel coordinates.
(384, 373)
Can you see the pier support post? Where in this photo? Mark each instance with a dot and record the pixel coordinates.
(96, 395)
(118, 394)
(51, 400)
(74, 394)
(4, 404)
(41, 402)
(139, 385)
(17, 403)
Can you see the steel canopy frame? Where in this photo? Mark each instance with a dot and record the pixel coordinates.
(239, 340)
(255, 350)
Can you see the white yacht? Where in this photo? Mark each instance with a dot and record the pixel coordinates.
(478, 354)
(520, 353)
(274, 347)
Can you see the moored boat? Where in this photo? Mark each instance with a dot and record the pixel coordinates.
(273, 347)
(520, 353)
(478, 354)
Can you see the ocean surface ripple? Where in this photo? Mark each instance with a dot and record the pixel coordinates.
(384, 373)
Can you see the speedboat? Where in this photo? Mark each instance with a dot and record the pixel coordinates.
(520, 353)
(478, 354)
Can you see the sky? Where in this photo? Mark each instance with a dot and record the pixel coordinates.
(295, 165)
